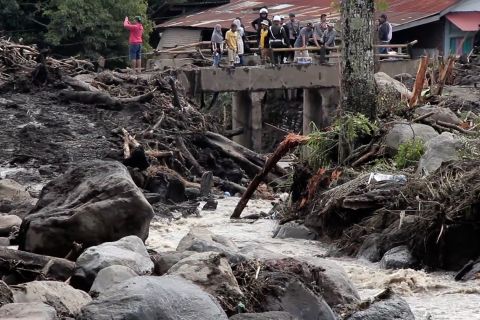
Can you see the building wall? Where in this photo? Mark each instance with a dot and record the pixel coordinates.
(175, 37)
(429, 36)
(457, 41)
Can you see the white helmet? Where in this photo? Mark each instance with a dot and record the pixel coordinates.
(277, 18)
(263, 10)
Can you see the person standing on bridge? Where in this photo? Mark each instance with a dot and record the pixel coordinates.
(263, 42)
(135, 42)
(277, 39)
(292, 29)
(263, 16)
(232, 44)
(217, 45)
(240, 37)
(384, 33)
(302, 40)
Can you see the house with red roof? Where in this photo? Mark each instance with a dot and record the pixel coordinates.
(441, 26)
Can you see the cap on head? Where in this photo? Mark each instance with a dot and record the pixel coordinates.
(291, 15)
(277, 18)
(263, 10)
(309, 24)
(265, 23)
(138, 18)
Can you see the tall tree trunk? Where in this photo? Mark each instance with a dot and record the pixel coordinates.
(358, 57)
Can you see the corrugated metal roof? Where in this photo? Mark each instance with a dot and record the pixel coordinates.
(172, 38)
(465, 21)
(399, 11)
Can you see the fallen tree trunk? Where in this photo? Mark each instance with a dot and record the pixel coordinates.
(102, 98)
(31, 266)
(187, 154)
(291, 141)
(79, 85)
(250, 161)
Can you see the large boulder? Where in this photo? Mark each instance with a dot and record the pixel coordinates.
(402, 132)
(8, 223)
(6, 295)
(129, 252)
(440, 149)
(202, 240)
(163, 261)
(212, 272)
(110, 276)
(294, 230)
(387, 84)
(153, 298)
(14, 198)
(66, 300)
(371, 248)
(394, 308)
(28, 311)
(439, 114)
(333, 281)
(94, 202)
(398, 258)
(272, 315)
(295, 298)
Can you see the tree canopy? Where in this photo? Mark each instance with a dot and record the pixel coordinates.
(70, 27)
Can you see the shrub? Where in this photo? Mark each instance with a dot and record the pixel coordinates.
(409, 153)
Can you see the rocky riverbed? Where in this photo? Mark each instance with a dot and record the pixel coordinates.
(431, 295)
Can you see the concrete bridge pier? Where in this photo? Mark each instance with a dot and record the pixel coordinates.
(319, 107)
(247, 114)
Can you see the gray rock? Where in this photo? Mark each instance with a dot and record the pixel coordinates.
(163, 261)
(371, 248)
(65, 299)
(129, 252)
(395, 309)
(153, 298)
(110, 276)
(299, 301)
(388, 84)
(438, 150)
(28, 311)
(272, 315)
(6, 295)
(94, 202)
(401, 133)
(202, 240)
(14, 198)
(259, 253)
(334, 283)
(211, 271)
(7, 223)
(441, 114)
(294, 230)
(473, 272)
(398, 258)
(4, 242)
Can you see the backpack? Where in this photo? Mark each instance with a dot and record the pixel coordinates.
(274, 42)
(390, 32)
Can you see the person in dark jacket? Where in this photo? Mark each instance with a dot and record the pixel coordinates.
(256, 24)
(278, 39)
(384, 32)
(292, 27)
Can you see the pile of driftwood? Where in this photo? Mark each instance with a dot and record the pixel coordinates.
(15, 57)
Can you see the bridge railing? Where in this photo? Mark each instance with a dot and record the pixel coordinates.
(402, 51)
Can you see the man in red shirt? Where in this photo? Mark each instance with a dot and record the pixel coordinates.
(135, 42)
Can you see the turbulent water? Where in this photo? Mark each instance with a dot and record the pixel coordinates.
(434, 296)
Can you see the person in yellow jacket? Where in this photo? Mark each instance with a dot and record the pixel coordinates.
(232, 46)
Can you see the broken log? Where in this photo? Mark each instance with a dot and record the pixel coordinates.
(419, 81)
(102, 98)
(444, 75)
(249, 160)
(176, 99)
(79, 85)
(233, 132)
(31, 266)
(186, 153)
(291, 141)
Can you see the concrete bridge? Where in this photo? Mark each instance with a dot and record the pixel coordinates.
(320, 84)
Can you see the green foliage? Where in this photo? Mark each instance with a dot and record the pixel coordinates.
(380, 5)
(93, 26)
(73, 27)
(409, 153)
(322, 145)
